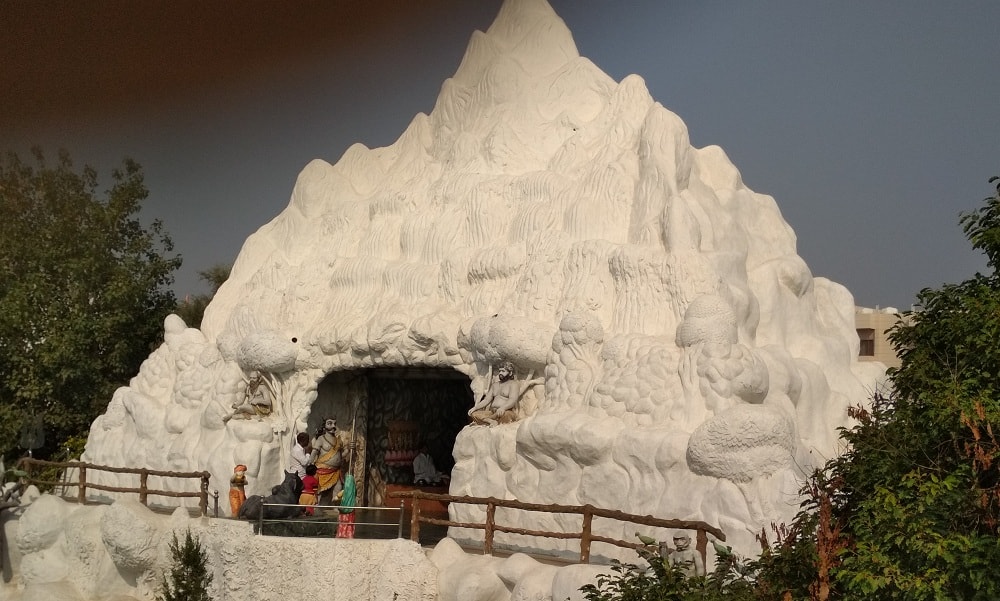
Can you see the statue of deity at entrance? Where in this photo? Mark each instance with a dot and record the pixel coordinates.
(328, 454)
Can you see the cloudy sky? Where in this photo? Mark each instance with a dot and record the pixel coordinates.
(873, 124)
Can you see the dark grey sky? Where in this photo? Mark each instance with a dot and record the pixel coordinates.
(873, 124)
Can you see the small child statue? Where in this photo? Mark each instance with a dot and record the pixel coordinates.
(237, 489)
(310, 484)
(685, 557)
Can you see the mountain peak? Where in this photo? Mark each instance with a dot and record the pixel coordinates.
(527, 32)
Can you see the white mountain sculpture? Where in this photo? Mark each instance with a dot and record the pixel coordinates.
(546, 215)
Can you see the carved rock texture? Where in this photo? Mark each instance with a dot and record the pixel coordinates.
(122, 551)
(545, 214)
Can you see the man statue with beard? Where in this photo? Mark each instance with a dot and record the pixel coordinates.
(328, 453)
(498, 405)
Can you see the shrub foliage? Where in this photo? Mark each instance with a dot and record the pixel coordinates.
(189, 579)
(84, 289)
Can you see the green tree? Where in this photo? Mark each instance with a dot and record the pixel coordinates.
(918, 489)
(192, 308)
(189, 578)
(83, 293)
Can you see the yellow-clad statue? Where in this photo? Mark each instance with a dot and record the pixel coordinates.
(328, 456)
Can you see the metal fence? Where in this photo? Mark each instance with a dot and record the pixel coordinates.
(324, 519)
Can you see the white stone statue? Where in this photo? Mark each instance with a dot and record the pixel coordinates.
(498, 405)
(257, 399)
(683, 556)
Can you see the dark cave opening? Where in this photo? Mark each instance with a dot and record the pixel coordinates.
(389, 412)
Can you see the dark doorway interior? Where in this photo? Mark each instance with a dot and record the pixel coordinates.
(391, 411)
(436, 405)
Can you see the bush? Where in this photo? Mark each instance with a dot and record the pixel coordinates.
(660, 580)
(189, 578)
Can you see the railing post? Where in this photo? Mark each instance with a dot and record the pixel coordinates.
(701, 544)
(143, 479)
(588, 518)
(81, 490)
(24, 464)
(203, 502)
(491, 510)
(260, 520)
(402, 516)
(215, 495)
(415, 518)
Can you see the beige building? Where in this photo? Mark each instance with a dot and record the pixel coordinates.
(873, 326)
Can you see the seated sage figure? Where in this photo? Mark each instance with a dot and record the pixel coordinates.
(257, 399)
(499, 403)
(424, 470)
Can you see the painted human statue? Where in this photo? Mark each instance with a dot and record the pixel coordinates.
(237, 489)
(329, 456)
(498, 405)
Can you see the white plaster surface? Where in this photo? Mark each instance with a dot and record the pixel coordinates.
(99, 552)
(547, 215)
(121, 552)
(467, 577)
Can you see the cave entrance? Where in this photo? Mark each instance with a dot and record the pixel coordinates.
(389, 412)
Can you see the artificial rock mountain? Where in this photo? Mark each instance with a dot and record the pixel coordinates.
(546, 215)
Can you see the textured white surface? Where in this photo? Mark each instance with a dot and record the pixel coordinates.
(546, 215)
(101, 552)
(466, 577)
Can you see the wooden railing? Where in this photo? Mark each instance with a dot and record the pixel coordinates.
(586, 535)
(27, 464)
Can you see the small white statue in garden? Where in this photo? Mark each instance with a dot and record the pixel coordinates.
(688, 559)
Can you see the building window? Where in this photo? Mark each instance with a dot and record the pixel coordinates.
(867, 336)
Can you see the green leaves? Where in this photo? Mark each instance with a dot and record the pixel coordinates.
(83, 292)
(192, 308)
(982, 227)
(661, 580)
(909, 545)
(189, 577)
(920, 479)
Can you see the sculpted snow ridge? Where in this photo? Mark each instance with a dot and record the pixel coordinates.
(545, 215)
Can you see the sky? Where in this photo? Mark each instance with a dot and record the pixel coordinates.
(872, 124)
